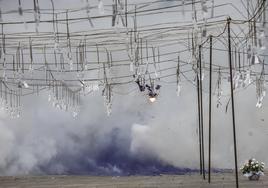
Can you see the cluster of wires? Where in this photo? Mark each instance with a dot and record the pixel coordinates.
(119, 47)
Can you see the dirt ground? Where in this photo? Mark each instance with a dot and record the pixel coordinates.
(164, 181)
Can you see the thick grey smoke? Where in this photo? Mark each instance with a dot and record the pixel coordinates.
(138, 134)
(166, 131)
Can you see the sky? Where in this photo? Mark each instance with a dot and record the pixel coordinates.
(139, 137)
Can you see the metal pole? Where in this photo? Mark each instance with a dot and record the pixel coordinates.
(201, 112)
(232, 99)
(199, 124)
(209, 123)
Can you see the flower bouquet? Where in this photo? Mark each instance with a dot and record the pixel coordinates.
(253, 169)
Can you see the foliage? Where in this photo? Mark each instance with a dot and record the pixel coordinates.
(252, 166)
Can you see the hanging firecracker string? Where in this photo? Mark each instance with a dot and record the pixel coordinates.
(178, 78)
(1, 18)
(212, 8)
(20, 8)
(36, 14)
(31, 69)
(88, 13)
(260, 88)
(219, 88)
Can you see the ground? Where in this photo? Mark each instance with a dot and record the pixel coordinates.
(165, 181)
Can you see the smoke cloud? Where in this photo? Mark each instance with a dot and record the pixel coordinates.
(138, 138)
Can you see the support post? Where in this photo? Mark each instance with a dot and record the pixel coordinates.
(199, 124)
(201, 112)
(232, 98)
(209, 123)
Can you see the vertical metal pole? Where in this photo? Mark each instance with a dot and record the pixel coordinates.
(201, 112)
(232, 99)
(199, 124)
(209, 123)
